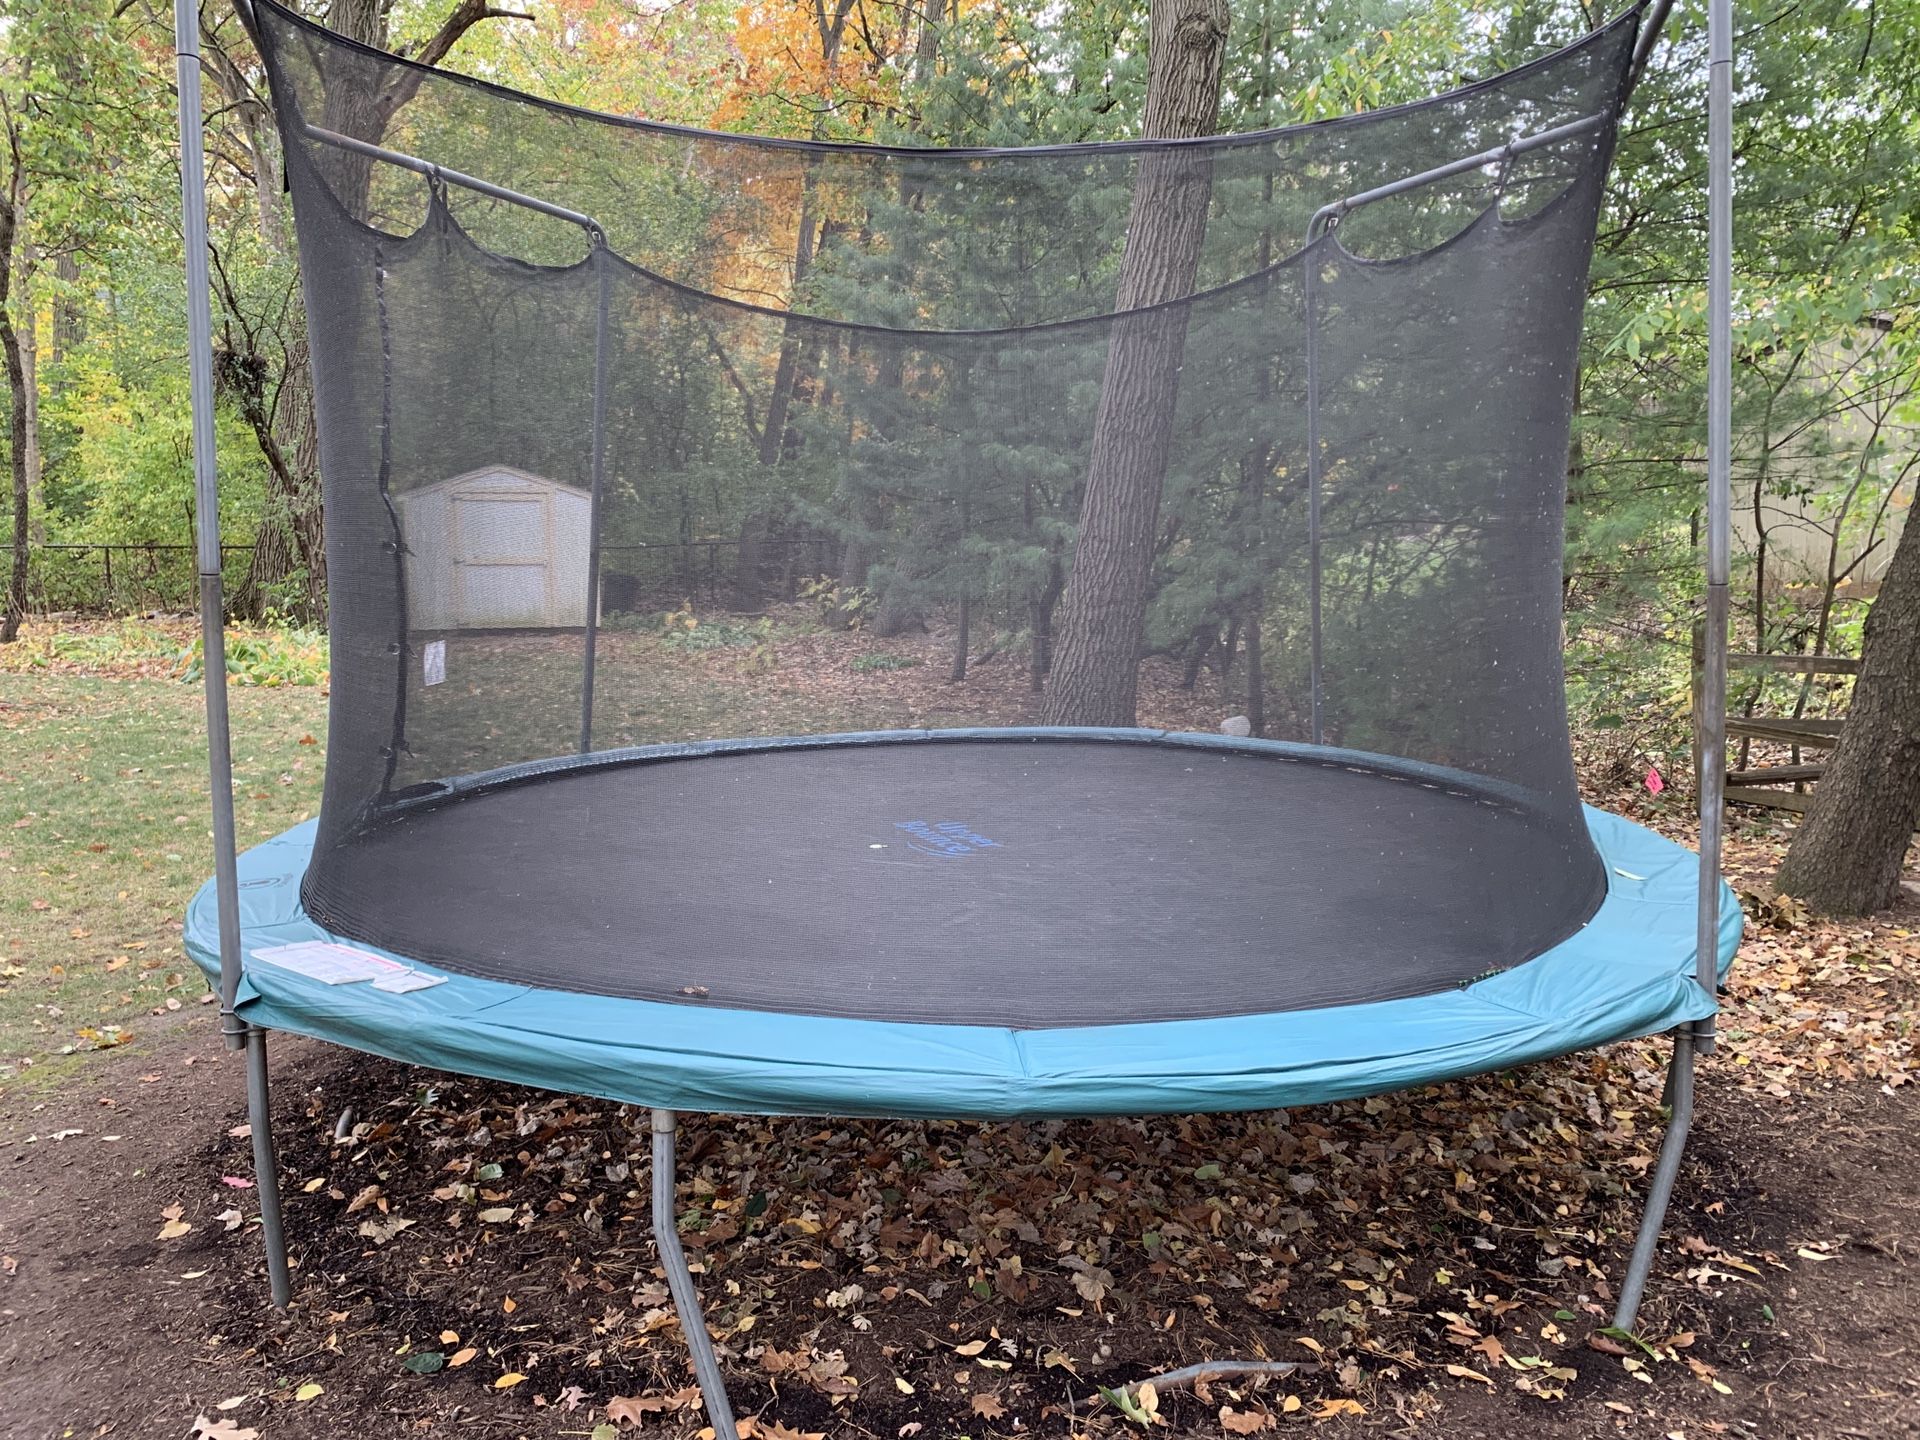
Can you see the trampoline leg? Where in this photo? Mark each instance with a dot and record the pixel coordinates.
(1680, 1098)
(673, 1259)
(266, 1170)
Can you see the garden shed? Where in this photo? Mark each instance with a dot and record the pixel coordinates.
(496, 548)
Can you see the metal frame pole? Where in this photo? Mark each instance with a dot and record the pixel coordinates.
(1719, 490)
(602, 271)
(1650, 29)
(1310, 286)
(673, 1259)
(206, 500)
(266, 1169)
(1660, 1190)
(1697, 1038)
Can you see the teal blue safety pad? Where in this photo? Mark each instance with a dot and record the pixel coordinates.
(1629, 972)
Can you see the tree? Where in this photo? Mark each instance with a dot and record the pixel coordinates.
(1096, 659)
(1847, 855)
(69, 121)
(269, 375)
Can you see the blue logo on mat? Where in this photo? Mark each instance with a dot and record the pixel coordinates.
(948, 839)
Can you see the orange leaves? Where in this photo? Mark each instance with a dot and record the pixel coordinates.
(805, 61)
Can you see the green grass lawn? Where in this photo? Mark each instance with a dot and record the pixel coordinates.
(104, 836)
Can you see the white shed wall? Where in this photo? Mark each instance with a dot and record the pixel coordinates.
(496, 549)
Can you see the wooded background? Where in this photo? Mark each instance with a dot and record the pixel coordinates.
(1827, 139)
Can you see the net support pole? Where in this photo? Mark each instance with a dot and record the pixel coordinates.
(673, 1259)
(602, 272)
(600, 257)
(1713, 681)
(236, 1032)
(1310, 286)
(1697, 1039)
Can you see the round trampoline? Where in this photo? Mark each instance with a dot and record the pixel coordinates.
(1288, 412)
(917, 878)
(1199, 924)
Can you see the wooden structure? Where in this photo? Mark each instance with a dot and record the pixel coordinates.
(1753, 786)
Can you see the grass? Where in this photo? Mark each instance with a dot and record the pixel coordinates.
(104, 837)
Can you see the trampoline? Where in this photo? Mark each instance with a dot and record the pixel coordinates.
(1299, 399)
(892, 1003)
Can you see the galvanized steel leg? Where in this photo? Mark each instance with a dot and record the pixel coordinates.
(673, 1259)
(266, 1170)
(236, 1032)
(1680, 1091)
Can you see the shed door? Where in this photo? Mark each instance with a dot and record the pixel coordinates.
(503, 559)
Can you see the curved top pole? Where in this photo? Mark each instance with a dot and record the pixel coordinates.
(206, 507)
(1650, 29)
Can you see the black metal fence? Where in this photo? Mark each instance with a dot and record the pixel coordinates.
(133, 579)
(117, 579)
(730, 573)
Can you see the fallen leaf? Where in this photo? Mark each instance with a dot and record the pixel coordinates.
(367, 1196)
(508, 1380)
(381, 1231)
(1328, 1409)
(1243, 1422)
(635, 1407)
(312, 1390)
(205, 1429)
(988, 1407)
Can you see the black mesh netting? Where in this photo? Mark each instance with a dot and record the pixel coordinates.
(801, 423)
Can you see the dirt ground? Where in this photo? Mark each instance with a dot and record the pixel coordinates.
(108, 1329)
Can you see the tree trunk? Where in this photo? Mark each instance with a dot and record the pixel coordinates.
(1040, 608)
(1256, 667)
(292, 529)
(1095, 677)
(962, 639)
(27, 436)
(1847, 855)
(16, 607)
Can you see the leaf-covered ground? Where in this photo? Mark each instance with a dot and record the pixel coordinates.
(867, 1277)
(473, 1258)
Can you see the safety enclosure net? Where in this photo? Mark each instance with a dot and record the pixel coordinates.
(734, 437)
